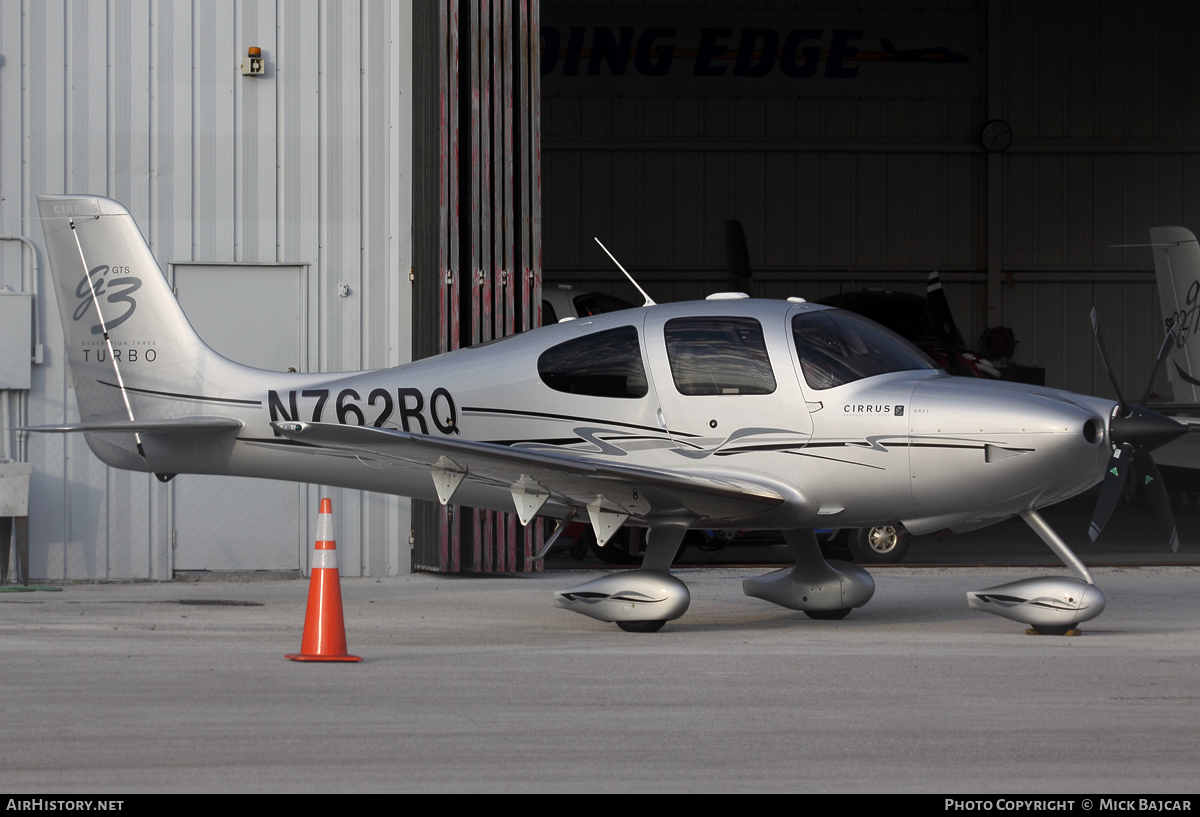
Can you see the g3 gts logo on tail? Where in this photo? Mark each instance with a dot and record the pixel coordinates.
(1186, 317)
(114, 290)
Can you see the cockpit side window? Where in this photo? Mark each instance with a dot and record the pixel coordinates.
(838, 347)
(718, 355)
(602, 364)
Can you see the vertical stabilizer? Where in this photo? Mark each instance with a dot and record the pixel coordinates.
(1177, 264)
(124, 330)
(133, 355)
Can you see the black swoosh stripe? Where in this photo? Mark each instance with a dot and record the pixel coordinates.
(518, 412)
(557, 441)
(835, 459)
(199, 397)
(725, 452)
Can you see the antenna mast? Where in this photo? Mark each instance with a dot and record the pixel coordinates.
(649, 300)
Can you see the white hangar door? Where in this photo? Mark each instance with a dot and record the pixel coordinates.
(254, 315)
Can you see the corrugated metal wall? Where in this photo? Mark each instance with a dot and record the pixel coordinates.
(144, 102)
(879, 189)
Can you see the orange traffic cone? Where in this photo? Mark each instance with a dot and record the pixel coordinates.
(324, 630)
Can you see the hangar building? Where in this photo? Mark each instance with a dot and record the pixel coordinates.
(394, 179)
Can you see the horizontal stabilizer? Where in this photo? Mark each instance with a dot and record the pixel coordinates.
(175, 425)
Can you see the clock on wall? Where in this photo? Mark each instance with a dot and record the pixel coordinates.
(996, 136)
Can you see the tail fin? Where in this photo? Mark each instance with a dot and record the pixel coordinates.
(1177, 264)
(133, 355)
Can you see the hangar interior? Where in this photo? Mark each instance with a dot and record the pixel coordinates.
(846, 139)
(850, 143)
(869, 170)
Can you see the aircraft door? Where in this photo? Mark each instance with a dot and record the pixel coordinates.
(724, 383)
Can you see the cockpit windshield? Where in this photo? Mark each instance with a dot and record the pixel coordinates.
(838, 347)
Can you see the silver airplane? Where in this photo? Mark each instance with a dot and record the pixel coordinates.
(729, 413)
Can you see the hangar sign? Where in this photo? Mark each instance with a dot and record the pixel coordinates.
(670, 52)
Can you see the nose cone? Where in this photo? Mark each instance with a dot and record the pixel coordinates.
(1144, 429)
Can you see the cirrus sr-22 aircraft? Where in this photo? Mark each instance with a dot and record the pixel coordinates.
(729, 413)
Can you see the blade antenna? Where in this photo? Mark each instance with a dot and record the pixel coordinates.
(649, 300)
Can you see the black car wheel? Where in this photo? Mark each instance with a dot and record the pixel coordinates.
(881, 544)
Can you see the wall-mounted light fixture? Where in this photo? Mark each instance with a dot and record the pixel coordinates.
(254, 65)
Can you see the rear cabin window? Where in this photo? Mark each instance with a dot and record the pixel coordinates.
(601, 364)
(718, 355)
(838, 347)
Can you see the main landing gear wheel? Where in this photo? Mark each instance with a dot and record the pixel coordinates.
(881, 544)
(828, 615)
(644, 626)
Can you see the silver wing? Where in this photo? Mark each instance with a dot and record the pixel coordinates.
(610, 492)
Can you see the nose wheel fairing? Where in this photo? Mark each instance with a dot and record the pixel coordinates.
(1051, 605)
(1047, 602)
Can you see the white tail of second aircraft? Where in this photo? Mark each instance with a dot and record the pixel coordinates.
(1177, 264)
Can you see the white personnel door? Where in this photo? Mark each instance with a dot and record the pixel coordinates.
(256, 316)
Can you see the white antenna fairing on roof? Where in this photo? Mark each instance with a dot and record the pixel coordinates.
(649, 300)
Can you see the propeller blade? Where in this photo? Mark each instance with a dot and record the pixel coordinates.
(1111, 377)
(1110, 489)
(1162, 354)
(1156, 492)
